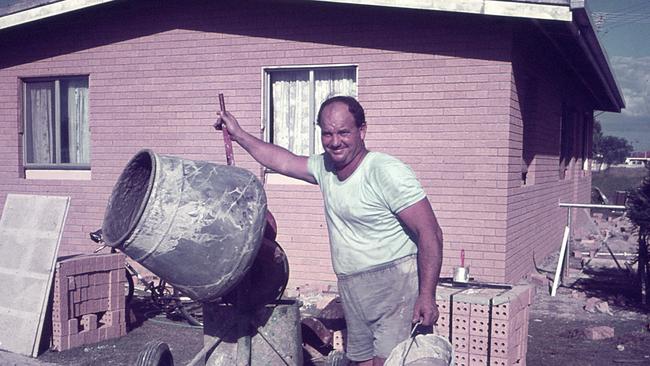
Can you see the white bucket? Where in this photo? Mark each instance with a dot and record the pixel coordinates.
(422, 350)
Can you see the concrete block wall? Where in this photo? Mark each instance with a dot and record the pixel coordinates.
(89, 302)
(485, 326)
(436, 88)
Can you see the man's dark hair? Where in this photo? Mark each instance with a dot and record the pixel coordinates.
(353, 107)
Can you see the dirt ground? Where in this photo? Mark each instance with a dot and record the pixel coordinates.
(556, 329)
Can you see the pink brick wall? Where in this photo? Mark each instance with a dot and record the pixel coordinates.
(535, 220)
(438, 92)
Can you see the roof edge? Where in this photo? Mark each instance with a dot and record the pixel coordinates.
(529, 10)
(46, 11)
(583, 31)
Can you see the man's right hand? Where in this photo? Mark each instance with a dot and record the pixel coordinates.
(271, 156)
(230, 122)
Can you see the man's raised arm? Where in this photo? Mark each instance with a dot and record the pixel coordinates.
(271, 156)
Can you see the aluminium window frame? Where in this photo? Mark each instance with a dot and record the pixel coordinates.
(311, 69)
(57, 122)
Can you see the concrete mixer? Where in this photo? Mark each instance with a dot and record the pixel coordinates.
(201, 227)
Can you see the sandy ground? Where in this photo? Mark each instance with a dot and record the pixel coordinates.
(556, 330)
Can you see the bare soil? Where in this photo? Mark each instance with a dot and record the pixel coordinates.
(556, 328)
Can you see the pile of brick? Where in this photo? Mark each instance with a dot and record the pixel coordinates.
(486, 326)
(89, 302)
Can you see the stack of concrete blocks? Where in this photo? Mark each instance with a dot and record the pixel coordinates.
(89, 300)
(486, 326)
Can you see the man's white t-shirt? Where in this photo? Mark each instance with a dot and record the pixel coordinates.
(361, 211)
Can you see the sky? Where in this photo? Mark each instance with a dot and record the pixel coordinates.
(623, 27)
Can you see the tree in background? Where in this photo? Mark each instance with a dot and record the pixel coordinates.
(609, 149)
(638, 210)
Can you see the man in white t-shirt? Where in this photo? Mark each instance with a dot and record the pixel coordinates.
(385, 241)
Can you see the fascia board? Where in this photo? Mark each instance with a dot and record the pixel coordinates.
(46, 11)
(486, 7)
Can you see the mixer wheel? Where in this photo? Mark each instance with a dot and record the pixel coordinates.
(155, 353)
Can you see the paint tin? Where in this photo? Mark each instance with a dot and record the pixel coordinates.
(461, 274)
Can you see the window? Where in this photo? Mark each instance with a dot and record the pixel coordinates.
(566, 140)
(56, 130)
(527, 104)
(292, 99)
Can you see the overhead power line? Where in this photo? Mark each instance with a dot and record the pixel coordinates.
(635, 14)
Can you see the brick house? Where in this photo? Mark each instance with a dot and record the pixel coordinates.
(490, 102)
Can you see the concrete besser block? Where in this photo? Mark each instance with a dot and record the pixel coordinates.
(72, 285)
(477, 360)
(83, 278)
(500, 348)
(60, 305)
(460, 343)
(481, 311)
(75, 340)
(461, 358)
(511, 360)
(60, 343)
(73, 326)
(89, 322)
(76, 296)
(459, 308)
(59, 329)
(90, 336)
(503, 328)
(460, 326)
(443, 306)
(479, 327)
(116, 302)
(442, 325)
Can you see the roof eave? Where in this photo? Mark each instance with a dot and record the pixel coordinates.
(583, 31)
(520, 9)
(46, 11)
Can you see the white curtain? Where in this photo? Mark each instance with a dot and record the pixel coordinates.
(40, 142)
(291, 110)
(78, 126)
(329, 83)
(293, 106)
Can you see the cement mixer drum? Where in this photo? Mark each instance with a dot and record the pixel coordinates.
(195, 224)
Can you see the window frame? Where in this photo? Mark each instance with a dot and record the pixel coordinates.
(56, 80)
(267, 71)
(568, 122)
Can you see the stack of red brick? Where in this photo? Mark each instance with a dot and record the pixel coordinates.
(89, 302)
(486, 326)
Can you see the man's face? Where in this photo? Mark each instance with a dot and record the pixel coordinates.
(341, 138)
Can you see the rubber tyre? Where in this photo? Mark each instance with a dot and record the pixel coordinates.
(155, 353)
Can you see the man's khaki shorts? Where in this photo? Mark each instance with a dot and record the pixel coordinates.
(378, 305)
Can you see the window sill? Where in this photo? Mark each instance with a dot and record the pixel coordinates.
(39, 174)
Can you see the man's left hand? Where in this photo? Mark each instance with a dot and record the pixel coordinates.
(425, 310)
